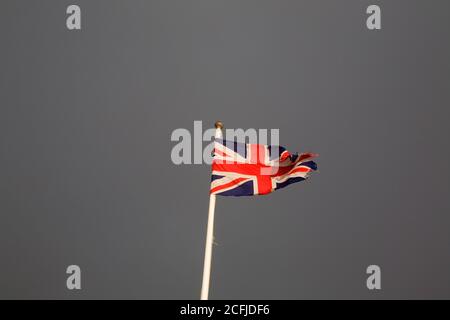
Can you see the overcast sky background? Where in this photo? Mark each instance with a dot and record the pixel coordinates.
(86, 176)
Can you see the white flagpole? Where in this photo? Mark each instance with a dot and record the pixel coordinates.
(209, 233)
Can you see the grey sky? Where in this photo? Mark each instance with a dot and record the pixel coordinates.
(85, 170)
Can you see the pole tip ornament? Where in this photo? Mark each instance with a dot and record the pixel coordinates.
(218, 125)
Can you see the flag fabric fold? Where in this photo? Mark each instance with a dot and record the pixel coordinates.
(240, 169)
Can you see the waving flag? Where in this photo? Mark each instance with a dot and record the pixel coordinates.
(240, 169)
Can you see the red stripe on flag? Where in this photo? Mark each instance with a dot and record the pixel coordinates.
(300, 169)
(227, 185)
(220, 153)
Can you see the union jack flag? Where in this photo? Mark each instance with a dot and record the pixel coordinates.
(240, 169)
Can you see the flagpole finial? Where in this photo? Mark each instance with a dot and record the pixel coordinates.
(218, 125)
